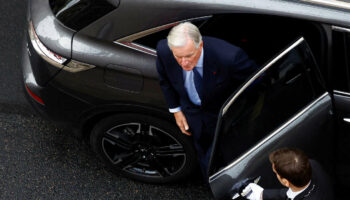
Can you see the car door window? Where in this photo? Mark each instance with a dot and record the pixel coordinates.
(341, 59)
(282, 88)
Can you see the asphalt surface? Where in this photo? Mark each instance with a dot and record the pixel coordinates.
(39, 160)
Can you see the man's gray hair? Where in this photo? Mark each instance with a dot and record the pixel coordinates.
(178, 35)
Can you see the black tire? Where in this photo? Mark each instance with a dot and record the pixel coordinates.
(143, 148)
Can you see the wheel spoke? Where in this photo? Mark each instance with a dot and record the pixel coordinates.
(129, 131)
(170, 150)
(144, 129)
(120, 157)
(161, 169)
(117, 139)
(154, 131)
(128, 161)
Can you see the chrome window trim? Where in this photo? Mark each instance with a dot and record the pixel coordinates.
(341, 92)
(330, 3)
(340, 29)
(255, 147)
(141, 34)
(138, 47)
(226, 107)
(128, 41)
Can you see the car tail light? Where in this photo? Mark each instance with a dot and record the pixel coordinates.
(52, 57)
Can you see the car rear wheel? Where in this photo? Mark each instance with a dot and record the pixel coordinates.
(143, 148)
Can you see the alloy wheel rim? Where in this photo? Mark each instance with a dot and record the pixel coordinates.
(143, 150)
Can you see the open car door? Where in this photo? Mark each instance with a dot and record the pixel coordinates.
(284, 104)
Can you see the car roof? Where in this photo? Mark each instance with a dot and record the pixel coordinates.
(133, 16)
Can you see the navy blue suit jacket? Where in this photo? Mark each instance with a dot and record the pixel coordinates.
(225, 67)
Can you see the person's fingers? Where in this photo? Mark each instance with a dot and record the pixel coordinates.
(187, 133)
(185, 125)
(183, 129)
(246, 191)
(182, 122)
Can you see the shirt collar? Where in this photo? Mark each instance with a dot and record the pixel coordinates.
(292, 195)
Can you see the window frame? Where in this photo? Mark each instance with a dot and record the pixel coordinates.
(128, 41)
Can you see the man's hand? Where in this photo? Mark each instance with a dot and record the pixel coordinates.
(182, 122)
(253, 192)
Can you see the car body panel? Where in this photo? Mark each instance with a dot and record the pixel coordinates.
(50, 31)
(155, 13)
(115, 65)
(101, 53)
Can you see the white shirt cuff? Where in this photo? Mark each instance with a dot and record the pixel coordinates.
(174, 110)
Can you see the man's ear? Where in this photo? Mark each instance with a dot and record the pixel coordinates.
(201, 44)
(285, 182)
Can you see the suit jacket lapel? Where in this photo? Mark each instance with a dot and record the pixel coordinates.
(210, 71)
(176, 72)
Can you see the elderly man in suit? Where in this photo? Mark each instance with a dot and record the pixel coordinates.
(197, 74)
(304, 179)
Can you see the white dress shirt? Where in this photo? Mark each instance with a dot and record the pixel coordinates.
(292, 195)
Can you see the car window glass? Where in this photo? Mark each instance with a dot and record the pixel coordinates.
(341, 60)
(78, 14)
(277, 94)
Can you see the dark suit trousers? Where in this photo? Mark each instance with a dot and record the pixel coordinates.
(202, 127)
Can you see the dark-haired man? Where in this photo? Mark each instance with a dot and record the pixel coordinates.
(304, 178)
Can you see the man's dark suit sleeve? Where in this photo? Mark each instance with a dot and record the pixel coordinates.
(274, 194)
(244, 66)
(169, 92)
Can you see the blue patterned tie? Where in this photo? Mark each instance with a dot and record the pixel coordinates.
(197, 78)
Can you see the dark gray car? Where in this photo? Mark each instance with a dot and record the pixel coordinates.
(90, 64)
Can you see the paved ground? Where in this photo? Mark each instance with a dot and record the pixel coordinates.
(38, 160)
